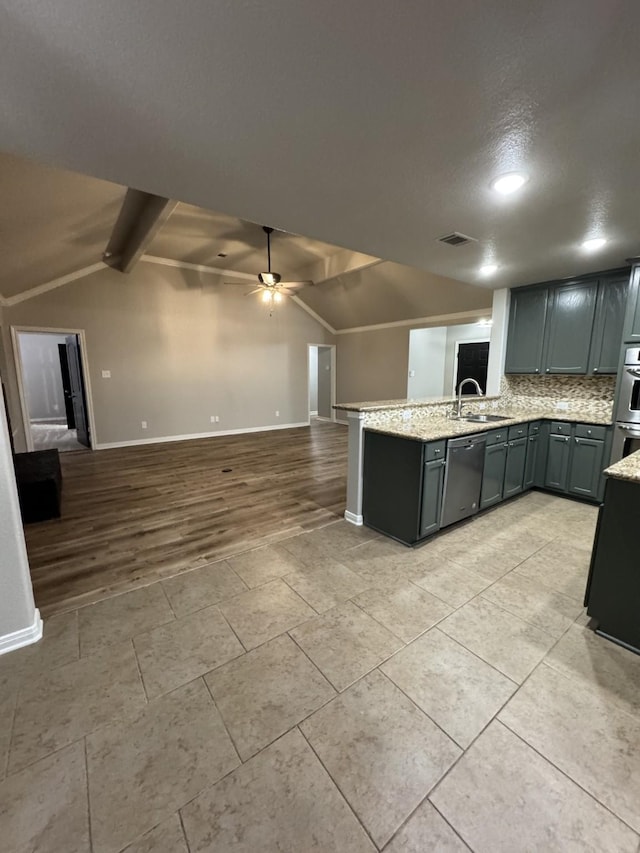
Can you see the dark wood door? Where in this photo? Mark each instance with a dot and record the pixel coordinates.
(473, 359)
(78, 397)
(66, 386)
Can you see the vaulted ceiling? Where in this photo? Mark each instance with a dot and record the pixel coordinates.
(371, 126)
(55, 223)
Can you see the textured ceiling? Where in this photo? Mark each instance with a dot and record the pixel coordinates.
(198, 236)
(51, 222)
(368, 125)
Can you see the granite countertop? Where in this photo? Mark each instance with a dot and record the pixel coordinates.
(434, 428)
(626, 469)
(390, 405)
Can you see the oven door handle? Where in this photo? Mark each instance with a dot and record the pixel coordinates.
(633, 371)
(635, 431)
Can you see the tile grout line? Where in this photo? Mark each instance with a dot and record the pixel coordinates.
(566, 775)
(223, 721)
(10, 740)
(340, 791)
(139, 668)
(86, 770)
(183, 828)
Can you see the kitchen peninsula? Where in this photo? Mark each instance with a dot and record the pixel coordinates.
(557, 440)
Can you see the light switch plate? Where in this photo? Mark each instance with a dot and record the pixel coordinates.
(106, 374)
(562, 405)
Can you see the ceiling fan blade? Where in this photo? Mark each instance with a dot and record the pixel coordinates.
(239, 283)
(257, 290)
(295, 283)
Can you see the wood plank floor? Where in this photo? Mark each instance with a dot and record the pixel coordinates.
(136, 514)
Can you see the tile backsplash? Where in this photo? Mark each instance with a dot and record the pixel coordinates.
(591, 394)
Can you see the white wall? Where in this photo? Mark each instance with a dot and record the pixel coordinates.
(19, 619)
(461, 334)
(181, 347)
(313, 379)
(324, 382)
(427, 350)
(42, 376)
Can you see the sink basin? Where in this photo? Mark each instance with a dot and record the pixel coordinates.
(485, 419)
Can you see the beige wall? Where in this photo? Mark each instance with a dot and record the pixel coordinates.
(181, 347)
(372, 365)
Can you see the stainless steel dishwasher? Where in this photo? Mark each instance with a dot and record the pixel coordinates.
(463, 478)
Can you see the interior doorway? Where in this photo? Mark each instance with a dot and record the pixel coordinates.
(52, 383)
(472, 359)
(322, 381)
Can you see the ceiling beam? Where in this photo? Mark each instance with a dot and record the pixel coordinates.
(141, 217)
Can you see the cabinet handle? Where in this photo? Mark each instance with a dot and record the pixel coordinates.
(547, 370)
(505, 445)
(595, 369)
(567, 439)
(537, 370)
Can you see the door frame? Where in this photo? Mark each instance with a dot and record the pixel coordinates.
(455, 358)
(332, 347)
(17, 359)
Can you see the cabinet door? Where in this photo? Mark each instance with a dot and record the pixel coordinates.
(533, 442)
(586, 467)
(607, 327)
(570, 314)
(514, 471)
(632, 322)
(526, 330)
(557, 463)
(432, 484)
(495, 460)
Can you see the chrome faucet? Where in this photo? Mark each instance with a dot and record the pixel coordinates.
(460, 387)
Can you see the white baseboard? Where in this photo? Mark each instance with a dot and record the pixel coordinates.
(23, 637)
(353, 518)
(169, 438)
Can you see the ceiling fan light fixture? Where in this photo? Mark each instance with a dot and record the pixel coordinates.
(269, 278)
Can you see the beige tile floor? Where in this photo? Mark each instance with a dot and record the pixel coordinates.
(334, 692)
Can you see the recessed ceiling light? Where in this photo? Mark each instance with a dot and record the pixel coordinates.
(488, 269)
(594, 244)
(508, 183)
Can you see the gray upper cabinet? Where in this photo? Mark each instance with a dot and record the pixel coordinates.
(526, 326)
(607, 327)
(571, 311)
(632, 321)
(573, 327)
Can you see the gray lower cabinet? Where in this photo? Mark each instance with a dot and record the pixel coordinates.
(632, 320)
(585, 468)
(432, 485)
(514, 470)
(495, 462)
(531, 465)
(557, 469)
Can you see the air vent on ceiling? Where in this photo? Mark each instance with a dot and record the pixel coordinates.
(457, 239)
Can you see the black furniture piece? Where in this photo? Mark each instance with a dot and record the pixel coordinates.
(39, 480)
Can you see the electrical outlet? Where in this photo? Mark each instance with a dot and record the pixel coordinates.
(143, 424)
(212, 419)
(482, 405)
(217, 419)
(406, 416)
(106, 374)
(563, 404)
(277, 414)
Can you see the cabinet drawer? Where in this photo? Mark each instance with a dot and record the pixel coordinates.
(518, 431)
(435, 450)
(591, 431)
(496, 436)
(534, 428)
(560, 428)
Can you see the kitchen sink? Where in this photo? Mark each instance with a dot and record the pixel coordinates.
(485, 419)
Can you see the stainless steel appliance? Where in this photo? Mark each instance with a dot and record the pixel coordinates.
(626, 434)
(463, 478)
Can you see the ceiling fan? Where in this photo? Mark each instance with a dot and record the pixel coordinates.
(271, 285)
